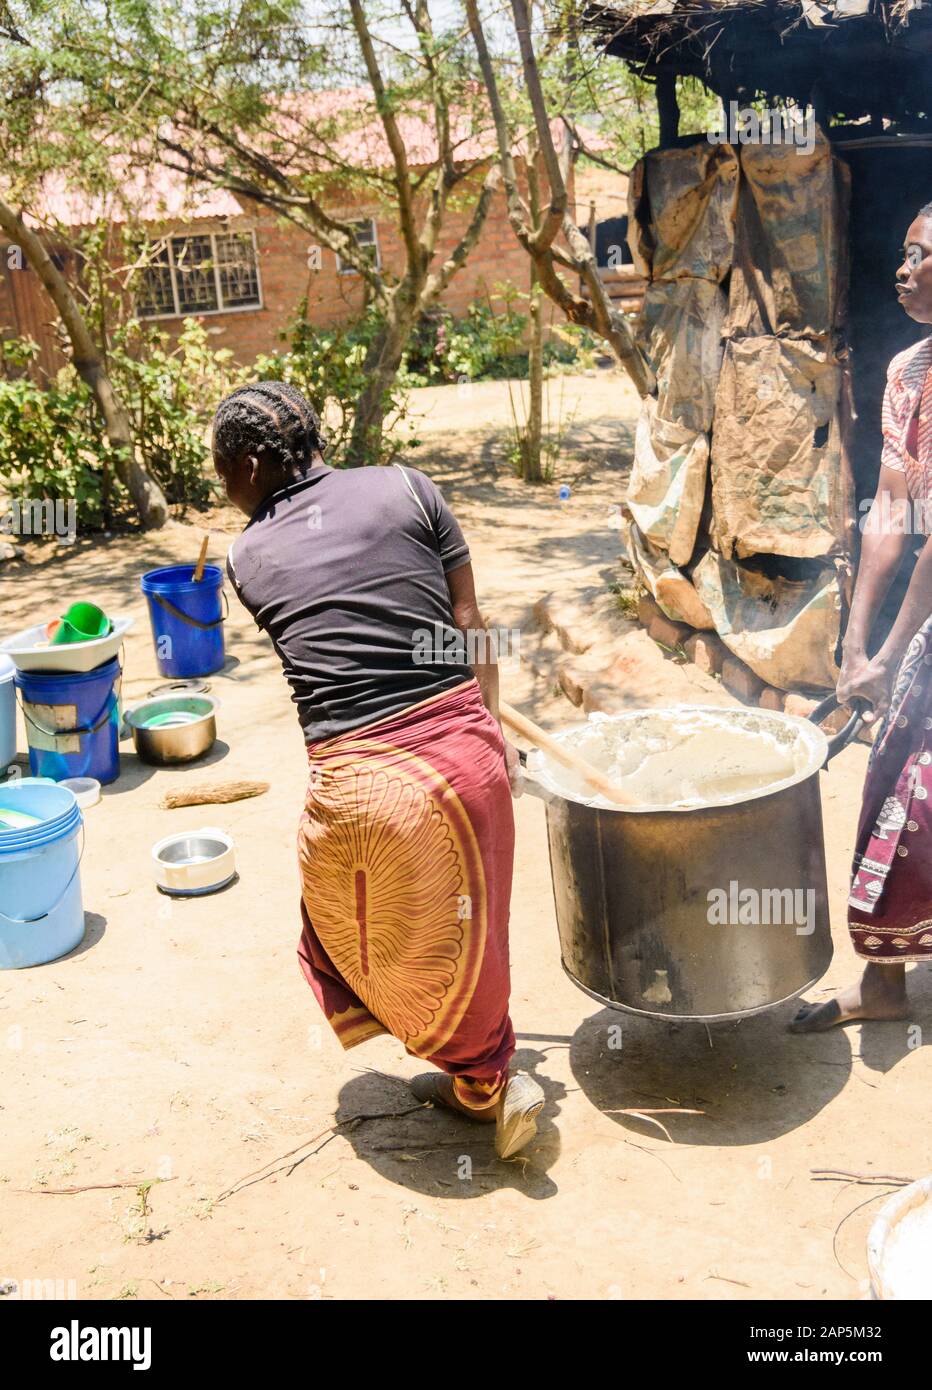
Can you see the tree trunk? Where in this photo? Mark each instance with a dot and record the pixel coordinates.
(147, 496)
(382, 363)
(532, 465)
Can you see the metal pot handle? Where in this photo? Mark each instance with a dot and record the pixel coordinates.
(530, 785)
(851, 730)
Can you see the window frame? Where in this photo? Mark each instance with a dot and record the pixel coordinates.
(213, 233)
(344, 269)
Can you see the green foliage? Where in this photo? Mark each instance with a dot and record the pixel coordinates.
(628, 110)
(171, 391)
(328, 366)
(489, 344)
(483, 344)
(52, 443)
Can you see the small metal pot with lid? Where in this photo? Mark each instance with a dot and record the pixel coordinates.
(173, 728)
(705, 912)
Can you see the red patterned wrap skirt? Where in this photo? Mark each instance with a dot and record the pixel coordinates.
(406, 851)
(890, 907)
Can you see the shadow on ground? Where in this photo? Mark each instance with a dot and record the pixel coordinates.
(750, 1081)
(439, 1154)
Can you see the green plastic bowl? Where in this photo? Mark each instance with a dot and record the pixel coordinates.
(84, 622)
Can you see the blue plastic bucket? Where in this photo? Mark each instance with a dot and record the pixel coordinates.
(7, 713)
(41, 913)
(187, 620)
(73, 722)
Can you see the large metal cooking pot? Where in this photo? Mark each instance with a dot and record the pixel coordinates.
(652, 906)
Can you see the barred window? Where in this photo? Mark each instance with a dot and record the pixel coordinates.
(205, 273)
(239, 274)
(156, 296)
(366, 238)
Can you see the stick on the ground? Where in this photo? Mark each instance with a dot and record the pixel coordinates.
(840, 1175)
(283, 1161)
(89, 1187)
(212, 793)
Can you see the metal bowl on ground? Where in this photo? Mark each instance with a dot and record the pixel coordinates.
(634, 888)
(191, 863)
(899, 1245)
(174, 728)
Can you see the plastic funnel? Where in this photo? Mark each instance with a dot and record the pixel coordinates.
(84, 622)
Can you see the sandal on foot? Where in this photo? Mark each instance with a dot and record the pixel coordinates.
(517, 1116)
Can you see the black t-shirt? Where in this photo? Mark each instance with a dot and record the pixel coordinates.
(345, 570)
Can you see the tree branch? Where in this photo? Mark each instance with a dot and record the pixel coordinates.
(438, 281)
(144, 490)
(553, 219)
(517, 211)
(597, 312)
(392, 134)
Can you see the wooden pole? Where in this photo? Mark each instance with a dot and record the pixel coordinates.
(565, 756)
(668, 108)
(201, 561)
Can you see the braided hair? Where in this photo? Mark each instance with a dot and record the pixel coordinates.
(271, 418)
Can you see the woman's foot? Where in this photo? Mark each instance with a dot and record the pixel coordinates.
(518, 1110)
(879, 994)
(514, 1114)
(437, 1088)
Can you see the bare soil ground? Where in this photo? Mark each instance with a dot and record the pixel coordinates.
(180, 1043)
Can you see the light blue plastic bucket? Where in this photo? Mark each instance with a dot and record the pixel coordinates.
(7, 713)
(187, 620)
(73, 722)
(41, 912)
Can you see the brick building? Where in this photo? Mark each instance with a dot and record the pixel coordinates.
(242, 270)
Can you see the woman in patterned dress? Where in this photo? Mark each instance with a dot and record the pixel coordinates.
(362, 579)
(890, 906)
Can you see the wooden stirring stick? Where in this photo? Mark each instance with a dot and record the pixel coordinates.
(199, 567)
(536, 735)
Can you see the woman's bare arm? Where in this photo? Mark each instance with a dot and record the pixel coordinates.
(468, 618)
(881, 552)
(914, 610)
(886, 536)
(481, 655)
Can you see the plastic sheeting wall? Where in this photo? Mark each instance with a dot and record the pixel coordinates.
(681, 228)
(741, 454)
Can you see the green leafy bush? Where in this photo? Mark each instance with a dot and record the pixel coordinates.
(485, 344)
(52, 443)
(171, 391)
(489, 344)
(328, 367)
